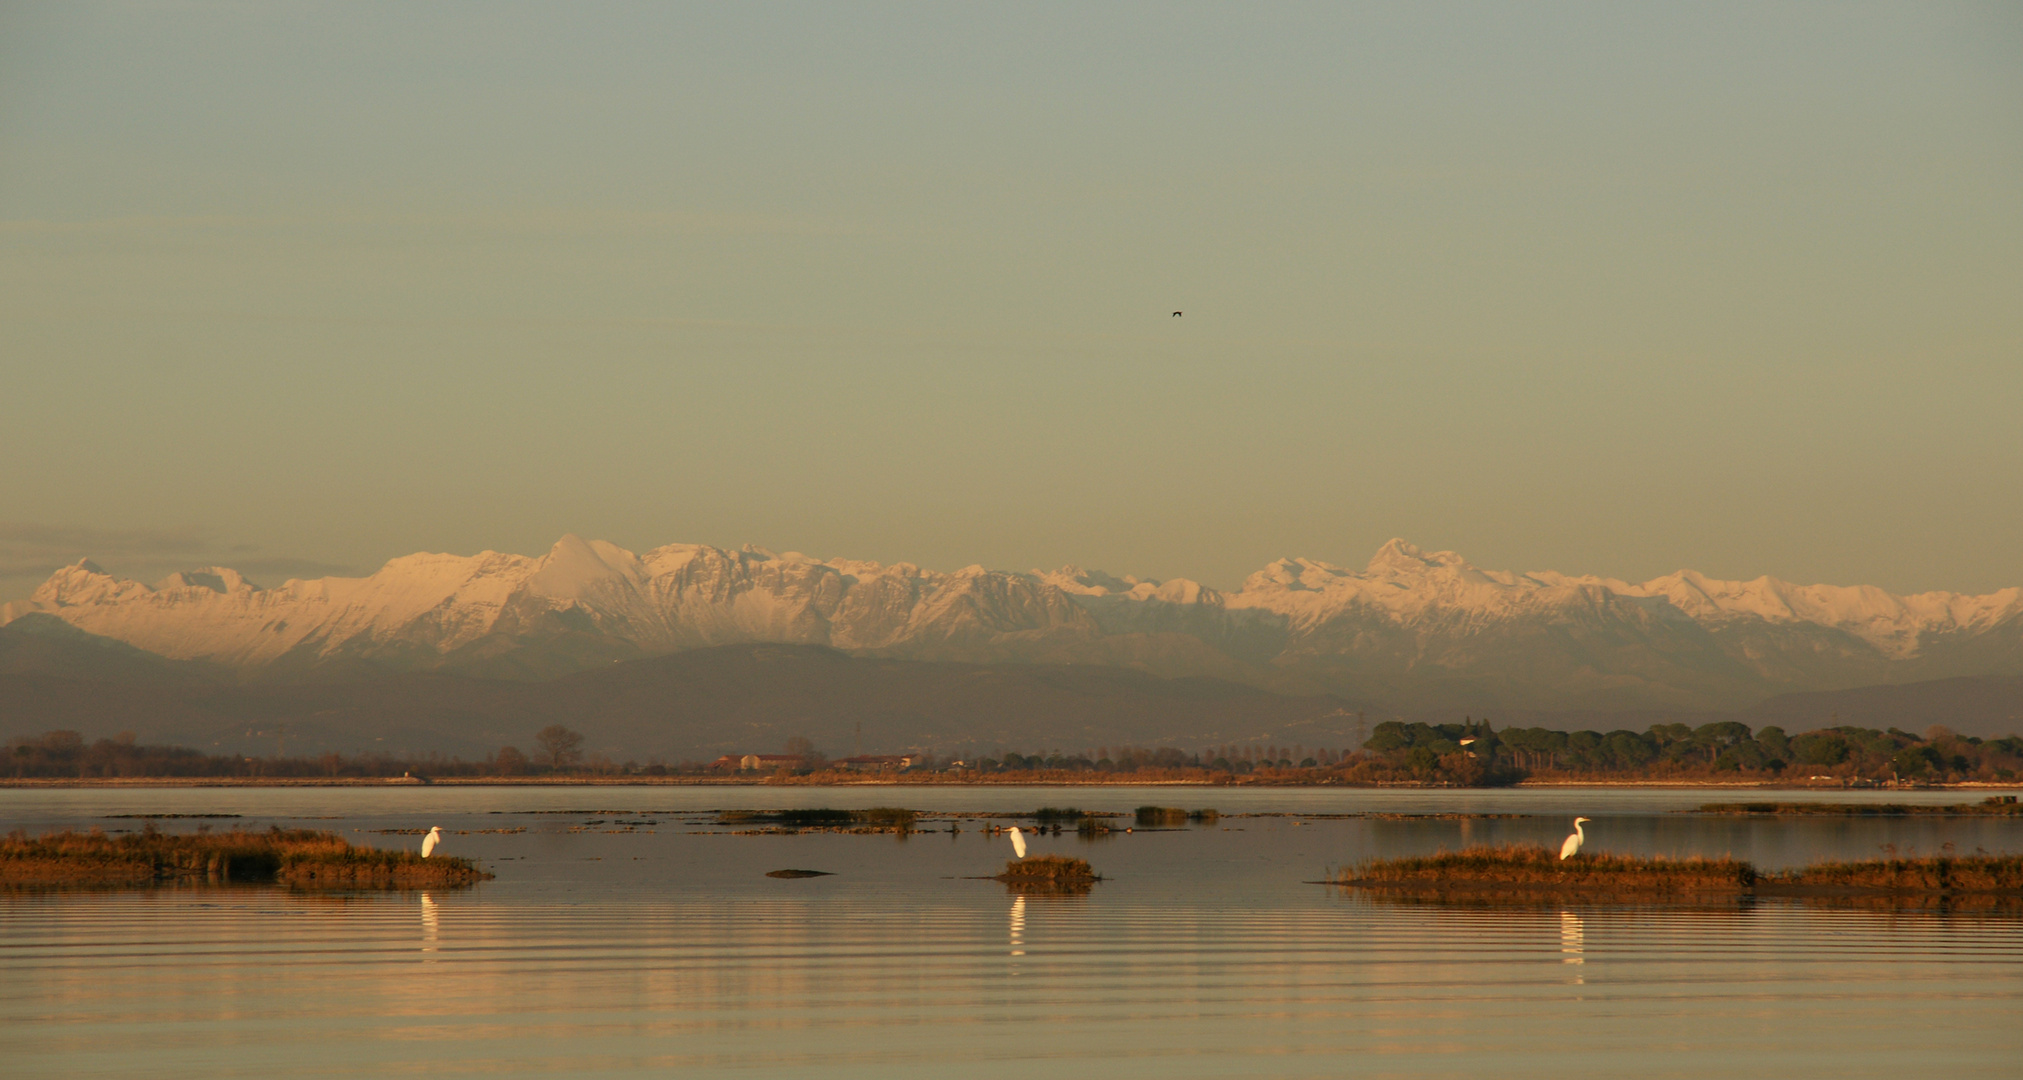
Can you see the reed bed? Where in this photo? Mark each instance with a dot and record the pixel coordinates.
(1525, 868)
(1534, 872)
(1930, 874)
(1049, 874)
(1172, 816)
(302, 858)
(875, 819)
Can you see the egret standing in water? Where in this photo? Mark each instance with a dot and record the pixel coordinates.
(429, 842)
(1573, 842)
(1018, 838)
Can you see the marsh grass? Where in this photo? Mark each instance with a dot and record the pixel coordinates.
(1487, 872)
(303, 858)
(876, 819)
(1049, 874)
(1534, 869)
(1931, 874)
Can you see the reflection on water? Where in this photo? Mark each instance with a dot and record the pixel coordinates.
(1018, 926)
(1573, 941)
(430, 923)
(1203, 954)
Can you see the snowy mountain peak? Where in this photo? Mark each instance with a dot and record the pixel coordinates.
(1400, 555)
(1407, 614)
(219, 579)
(575, 565)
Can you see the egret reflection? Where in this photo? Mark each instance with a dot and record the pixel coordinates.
(431, 923)
(1573, 942)
(1018, 926)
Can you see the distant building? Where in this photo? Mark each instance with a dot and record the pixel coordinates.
(874, 763)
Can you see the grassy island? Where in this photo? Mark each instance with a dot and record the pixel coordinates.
(301, 858)
(1524, 872)
(1049, 874)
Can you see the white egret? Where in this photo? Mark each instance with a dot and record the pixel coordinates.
(1574, 841)
(429, 842)
(1018, 838)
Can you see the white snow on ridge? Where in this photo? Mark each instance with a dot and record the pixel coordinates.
(684, 596)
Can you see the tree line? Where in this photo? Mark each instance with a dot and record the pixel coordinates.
(1469, 754)
(1715, 750)
(66, 754)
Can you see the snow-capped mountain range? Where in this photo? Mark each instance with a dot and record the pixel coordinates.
(1411, 627)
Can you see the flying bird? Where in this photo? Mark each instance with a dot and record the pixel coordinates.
(1574, 841)
(429, 842)
(1176, 314)
(1018, 838)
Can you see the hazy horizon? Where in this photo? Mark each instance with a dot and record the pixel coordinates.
(1575, 287)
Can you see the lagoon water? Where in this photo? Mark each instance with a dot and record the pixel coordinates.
(624, 937)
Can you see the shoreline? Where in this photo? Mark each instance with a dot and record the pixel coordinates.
(768, 781)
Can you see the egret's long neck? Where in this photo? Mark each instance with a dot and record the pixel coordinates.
(1580, 832)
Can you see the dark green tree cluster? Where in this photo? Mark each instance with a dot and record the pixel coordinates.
(1123, 759)
(66, 755)
(1709, 749)
(1232, 759)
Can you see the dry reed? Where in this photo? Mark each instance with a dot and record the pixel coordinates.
(304, 858)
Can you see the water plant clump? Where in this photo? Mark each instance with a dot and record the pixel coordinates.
(1049, 873)
(1519, 871)
(875, 819)
(1527, 868)
(1170, 816)
(304, 858)
(1918, 874)
(894, 817)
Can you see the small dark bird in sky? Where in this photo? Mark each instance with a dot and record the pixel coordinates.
(1176, 314)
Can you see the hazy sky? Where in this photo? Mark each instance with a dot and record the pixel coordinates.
(1602, 288)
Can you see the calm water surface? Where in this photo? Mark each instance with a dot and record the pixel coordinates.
(657, 951)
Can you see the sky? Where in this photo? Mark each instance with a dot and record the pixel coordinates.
(1600, 288)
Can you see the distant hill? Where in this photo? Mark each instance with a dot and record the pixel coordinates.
(695, 704)
(40, 644)
(1987, 707)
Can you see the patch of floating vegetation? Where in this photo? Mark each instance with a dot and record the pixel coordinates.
(167, 817)
(1521, 872)
(876, 819)
(1049, 874)
(1528, 869)
(1993, 806)
(798, 873)
(1172, 816)
(301, 858)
